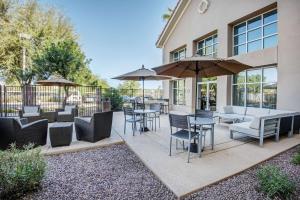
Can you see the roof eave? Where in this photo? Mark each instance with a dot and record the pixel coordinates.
(177, 13)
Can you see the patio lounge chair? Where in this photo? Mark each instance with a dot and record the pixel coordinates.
(183, 132)
(131, 117)
(67, 114)
(13, 131)
(94, 129)
(32, 113)
(259, 127)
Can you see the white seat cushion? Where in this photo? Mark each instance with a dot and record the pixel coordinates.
(281, 112)
(228, 110)
(231, 116)
(255, 123)
(64, 113)
(244, 127)
(31, 114)
(239, 110)
(31, 109)
(257, 111)
(69, 108)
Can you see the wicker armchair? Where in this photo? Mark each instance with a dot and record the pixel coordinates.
(94, 129)
(13, 131)
(32, 113)
(67, 114)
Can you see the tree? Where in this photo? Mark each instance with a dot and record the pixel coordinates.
(42, 24)
(166, 16)
(129, 88)
(63, 58)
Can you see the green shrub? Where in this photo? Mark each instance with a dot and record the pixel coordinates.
(116, 99)
(21, 170)
(275, 183)
(296, 159)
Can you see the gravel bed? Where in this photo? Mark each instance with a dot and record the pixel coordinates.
(113, 172)
(245, 185)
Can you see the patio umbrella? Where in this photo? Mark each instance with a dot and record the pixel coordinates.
(55, 80)
(142, 74)
(201, 66)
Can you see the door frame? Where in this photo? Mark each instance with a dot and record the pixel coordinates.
(207, 83)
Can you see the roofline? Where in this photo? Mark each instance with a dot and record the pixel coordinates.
(169, 27)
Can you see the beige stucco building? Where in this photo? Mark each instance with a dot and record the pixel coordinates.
(262, 33)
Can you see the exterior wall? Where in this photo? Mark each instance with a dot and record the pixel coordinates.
(219, 17)
(288, 55)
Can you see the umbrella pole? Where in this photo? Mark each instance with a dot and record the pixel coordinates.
(143, 79)
(197, 74)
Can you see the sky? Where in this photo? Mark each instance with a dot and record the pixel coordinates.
(118, 35)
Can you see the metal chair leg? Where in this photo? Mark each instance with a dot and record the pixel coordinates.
(189, 150)
(170, 145)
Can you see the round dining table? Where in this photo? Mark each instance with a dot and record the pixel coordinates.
(144, 113)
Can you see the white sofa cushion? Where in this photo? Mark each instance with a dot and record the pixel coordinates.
(228, 110)
(239, 110)
(231, 116)
(31, 109)
(65, 113)
(281, 112)
(69, 108)
(244, 127)
(257, 111)
(31, 114)
(255, 123)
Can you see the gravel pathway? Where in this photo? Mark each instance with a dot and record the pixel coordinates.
(113, 172)
(245, 185)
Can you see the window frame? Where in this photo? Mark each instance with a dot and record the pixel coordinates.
(214, 51)
(178, 51)
(175, 101)
(261, 27)
(245, 83)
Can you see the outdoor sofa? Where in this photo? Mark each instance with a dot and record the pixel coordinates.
(21, 133)
(67, 114)
(94, 129)
(259, 127)
(31, 113)
(290, 120)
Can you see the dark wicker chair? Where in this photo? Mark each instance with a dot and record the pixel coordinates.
(32, 113)
(95, 129)
(67, 114)
(183, 132)
(13, 131)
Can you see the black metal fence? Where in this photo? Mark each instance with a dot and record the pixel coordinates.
(89, 99)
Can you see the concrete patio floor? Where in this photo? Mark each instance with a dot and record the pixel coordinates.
(80, 145)
(228, 158)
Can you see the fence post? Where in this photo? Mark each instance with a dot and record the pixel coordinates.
(1, 110)
(5, 101)
(98, 93)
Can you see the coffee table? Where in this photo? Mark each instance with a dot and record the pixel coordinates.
(61, 134)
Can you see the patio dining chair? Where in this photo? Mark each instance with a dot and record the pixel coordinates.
(183, 132)
(132, 118)
(206, 128)
(155, 116)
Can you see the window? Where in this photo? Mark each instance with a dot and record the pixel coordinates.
(255, 88)
(257, 33)
(178, 54)
(179, 92)
(208, 46)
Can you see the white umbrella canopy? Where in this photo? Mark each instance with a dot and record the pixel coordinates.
(201, 66)
(142, 74)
